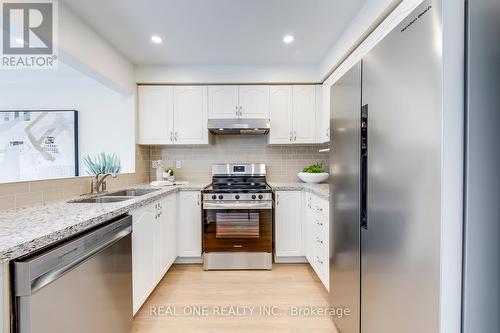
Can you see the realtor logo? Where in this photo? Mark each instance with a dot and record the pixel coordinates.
(29, 34)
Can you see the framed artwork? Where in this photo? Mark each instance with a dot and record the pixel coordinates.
(38, 144)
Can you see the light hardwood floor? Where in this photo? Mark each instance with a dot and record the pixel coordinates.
(186, 288)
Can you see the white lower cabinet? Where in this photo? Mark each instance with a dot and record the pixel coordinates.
(288, 224)
(153, 246)
(302, 229)
(189, 224)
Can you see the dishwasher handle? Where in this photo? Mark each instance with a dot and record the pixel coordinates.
(45, 268)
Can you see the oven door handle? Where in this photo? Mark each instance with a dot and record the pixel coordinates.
(238, 205)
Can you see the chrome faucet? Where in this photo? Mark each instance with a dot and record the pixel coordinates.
(99, 183)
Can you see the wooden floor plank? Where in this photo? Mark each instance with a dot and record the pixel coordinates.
(235, 301)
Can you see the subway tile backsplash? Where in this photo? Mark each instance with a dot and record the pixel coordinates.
(21, 194)
(283, 161)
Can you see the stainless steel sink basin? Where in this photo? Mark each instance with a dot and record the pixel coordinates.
(130, 193)
(101, 200)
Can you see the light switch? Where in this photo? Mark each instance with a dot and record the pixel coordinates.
(178, 164)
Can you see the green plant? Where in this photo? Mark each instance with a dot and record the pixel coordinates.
(169, 172)
(314, 168)
(102, 163)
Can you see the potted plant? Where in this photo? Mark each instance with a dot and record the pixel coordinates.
(313, 174)
(168, 174)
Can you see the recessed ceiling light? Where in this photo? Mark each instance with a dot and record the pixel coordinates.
(288, 39)
(156, 39)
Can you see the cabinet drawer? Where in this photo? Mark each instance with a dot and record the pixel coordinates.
(320, 265)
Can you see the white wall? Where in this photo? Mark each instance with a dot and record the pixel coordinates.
(226, 74)
(85, 50)
(106, 117)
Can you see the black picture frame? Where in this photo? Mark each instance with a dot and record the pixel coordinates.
(75, 132)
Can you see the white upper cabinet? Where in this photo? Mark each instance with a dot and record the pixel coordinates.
(322, 114)
(232, 102)
(293, 114)
(304, 114)
(281, 114)
(173, 115)
(254, 102)
(223, 102)
(156, 114)
(190, 115)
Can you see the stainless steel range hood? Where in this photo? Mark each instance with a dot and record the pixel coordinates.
(239, 126)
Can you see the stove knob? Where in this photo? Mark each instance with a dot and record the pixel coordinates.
(261, 196)
(221, 197)
(237, 197)
(254, 197)
(214, 197)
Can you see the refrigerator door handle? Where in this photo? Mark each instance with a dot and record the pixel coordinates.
(364, 168)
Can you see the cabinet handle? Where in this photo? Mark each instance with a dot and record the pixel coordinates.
(319, 261)
(241, 112)
(319, 240)
(319, 223)
(176, 135)
(291, 136)
(237, 113)
(171, 136)
(294, 135)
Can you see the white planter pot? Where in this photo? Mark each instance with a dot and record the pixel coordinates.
(313, 178)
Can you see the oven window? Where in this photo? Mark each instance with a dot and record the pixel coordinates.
(244, 224)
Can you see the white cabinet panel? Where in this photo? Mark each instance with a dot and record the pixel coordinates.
(322, 116)
(190, 115)
(155, 114)
(281, 115)
(143, 254)
(189, 224)
(223, 102)
(288, 224)
(254, 101)
(165, 235)
(304, 114)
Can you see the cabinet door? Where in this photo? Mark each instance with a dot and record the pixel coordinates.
(308, 228)
(170, 210)
(280, 115)
(143, 254)
(155, 115)
(304, 114)
(288, 219)
(165, 235)
(189, 226)
(322, 117)
(223, 102)
(254, 102)
(190, 115)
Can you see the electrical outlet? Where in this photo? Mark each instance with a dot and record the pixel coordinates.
(156, 164)
(178, 164)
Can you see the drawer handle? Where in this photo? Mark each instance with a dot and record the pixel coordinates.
(319, 223)
(319, 240)
(319, 261)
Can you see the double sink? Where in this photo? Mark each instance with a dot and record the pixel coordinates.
(116, 196)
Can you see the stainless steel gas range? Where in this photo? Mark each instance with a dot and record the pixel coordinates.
(238, 218)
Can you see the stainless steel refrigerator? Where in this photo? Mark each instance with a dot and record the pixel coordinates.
(385, 166)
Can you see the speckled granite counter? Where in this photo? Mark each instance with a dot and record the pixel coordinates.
(321, 190)
(26, 230)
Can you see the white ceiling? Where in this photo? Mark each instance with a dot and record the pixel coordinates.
(220, 32)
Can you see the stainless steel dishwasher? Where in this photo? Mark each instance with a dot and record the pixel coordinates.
(82, 285)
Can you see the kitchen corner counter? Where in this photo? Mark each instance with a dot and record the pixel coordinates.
(25, 230)
(321, 190)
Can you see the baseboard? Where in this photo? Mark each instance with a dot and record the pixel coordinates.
(290, 260)
(188, 260)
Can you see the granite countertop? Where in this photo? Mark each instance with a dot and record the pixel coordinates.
(25, 230)
(321, 190)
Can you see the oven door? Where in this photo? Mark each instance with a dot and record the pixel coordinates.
(237, 227)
